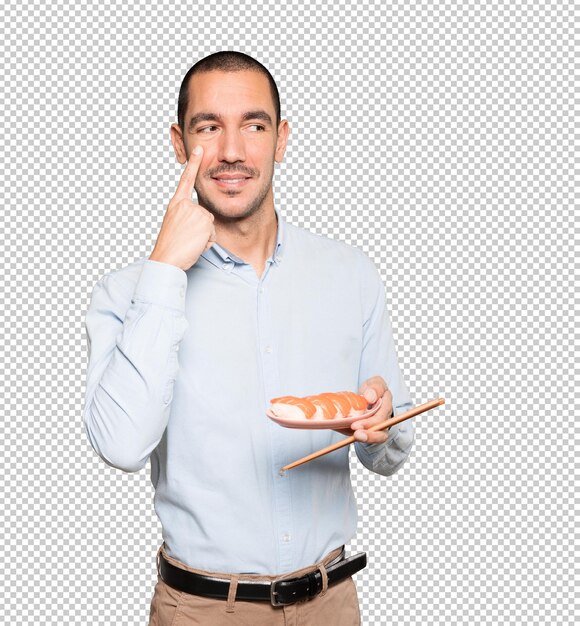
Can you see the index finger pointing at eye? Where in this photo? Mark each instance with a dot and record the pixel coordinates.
(189, 174)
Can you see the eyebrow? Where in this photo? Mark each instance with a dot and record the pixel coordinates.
(258, 114)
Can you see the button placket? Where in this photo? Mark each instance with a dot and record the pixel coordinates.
(280, 485)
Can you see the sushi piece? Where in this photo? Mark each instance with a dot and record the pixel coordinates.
(293, 407)
(323, 406)
(348, 403)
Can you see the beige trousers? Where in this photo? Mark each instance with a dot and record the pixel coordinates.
(336, 605)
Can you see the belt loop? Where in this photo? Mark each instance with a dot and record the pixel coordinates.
(157, 558)
(322, 569)
(232, 594)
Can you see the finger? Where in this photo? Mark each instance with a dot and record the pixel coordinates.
(380, 416)
(373, 389)
(343, 431)
(379, 436)
(189, 174)
(364, 424)
(212, 238)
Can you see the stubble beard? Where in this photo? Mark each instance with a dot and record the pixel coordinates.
(252, 207)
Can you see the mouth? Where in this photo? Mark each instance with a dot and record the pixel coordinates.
(231, 182)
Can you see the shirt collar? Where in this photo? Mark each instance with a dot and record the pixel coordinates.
(220, 254)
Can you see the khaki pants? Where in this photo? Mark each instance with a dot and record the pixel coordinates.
(338, 606)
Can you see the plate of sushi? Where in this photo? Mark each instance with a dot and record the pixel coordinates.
(325, 410)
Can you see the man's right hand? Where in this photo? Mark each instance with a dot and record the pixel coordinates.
(187, 229)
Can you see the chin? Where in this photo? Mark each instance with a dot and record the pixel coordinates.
(229, 208)
(223, 210)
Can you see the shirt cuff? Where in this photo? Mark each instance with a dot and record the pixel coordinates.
(163, 284)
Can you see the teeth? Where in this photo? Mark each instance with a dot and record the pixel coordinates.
(228, 180)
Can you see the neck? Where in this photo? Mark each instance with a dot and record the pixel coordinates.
(252, 239)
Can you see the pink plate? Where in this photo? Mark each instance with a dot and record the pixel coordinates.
(344, 422)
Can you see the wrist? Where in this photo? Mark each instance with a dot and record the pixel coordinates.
(161, 259)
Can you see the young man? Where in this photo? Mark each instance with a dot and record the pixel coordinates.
(232, 308)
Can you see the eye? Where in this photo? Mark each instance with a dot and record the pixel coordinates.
(202, 130)
(258, 126)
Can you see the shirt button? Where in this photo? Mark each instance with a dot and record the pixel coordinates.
(286, 537)
(268, 348)
(261, 289)
(182, 292)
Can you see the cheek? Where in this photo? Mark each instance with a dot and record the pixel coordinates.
(265, 157)
(208, 162)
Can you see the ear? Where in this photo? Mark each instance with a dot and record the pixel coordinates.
(282, 141)
(178, 143)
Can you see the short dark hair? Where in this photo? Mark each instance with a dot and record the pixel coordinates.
(225, 61)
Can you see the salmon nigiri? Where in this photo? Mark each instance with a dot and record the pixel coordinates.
(293, 407)
(321, 406)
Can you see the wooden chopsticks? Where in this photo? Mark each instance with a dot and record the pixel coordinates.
(380, 426)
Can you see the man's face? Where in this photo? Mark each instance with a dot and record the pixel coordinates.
(228, 115)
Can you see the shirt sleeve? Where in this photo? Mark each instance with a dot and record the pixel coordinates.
(379, 358)
(133, 334)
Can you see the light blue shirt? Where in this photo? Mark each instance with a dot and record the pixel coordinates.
(183, 365)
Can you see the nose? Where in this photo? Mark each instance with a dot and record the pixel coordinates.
(231, 146)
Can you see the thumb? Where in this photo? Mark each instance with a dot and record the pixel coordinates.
(370, 394)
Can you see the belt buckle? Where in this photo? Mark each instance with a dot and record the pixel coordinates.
(310, 576)
(273, 594)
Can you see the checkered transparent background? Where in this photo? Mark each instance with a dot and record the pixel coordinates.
(436, 136)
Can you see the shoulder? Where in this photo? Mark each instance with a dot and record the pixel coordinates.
(322, 246)
(324, 250)
(115, 288)
(126, 276)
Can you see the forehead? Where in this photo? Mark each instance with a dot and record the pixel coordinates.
(229, 93)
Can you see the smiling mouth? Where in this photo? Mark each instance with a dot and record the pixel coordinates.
(231, 182)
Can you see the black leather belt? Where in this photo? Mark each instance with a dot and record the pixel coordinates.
(278, 592)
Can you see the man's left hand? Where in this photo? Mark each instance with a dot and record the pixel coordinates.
(372, 389)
